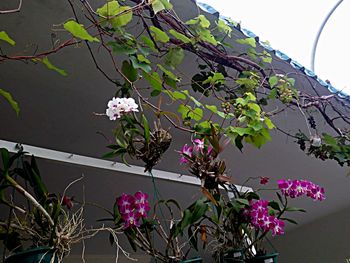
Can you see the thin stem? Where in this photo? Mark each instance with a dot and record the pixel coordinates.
(27, 195)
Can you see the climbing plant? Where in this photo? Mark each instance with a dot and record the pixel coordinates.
(230, 90)
(230, 95)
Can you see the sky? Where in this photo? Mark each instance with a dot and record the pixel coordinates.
(292, 26)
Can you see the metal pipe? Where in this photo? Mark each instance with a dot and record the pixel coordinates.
(313, 55)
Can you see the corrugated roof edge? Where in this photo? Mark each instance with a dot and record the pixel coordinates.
(209, 9)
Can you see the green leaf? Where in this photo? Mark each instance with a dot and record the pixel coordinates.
(196, 114)
(5, 37)
(198, 104)
(275, 205)
(200, 208)
(259, 139)
(111, 8)
(290, 220)
(295, 209)
(149, 43)
(109, 155)
(216, 78)
(176, 95)
(179, 95)
(79, 31)
(123, 17)
(269, 123)
(129, 71)
(186, 220)
(252, 195)
(174, 57)
(117, 15)
(160, 5)
(273, 94)
(159, 35)
(168, 73)
(180, 36)
(266, 57)
(242, 131)
(247, 41)
(205, 124)
(155, 81)
(38, 185)
(141, 65)
(223, 27)
(203, 21)
(200, 20)
(206, 36)
(329, 139)
(241, 101)
(10, 100)
(147, 133)
(273, 80)
(225, 115)
(255, 107)
(49, 65)
(123, 48)
(5, 155)
(212, 108)
(250, 96)
(291, 81)
(256, 125)
(143, 59)
(242, 201)
(187, 112)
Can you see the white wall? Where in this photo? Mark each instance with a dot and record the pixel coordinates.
(325, 240)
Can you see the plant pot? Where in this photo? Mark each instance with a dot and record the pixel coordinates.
(269, 258)
(193, 260)
(232, 256)
(34, 255)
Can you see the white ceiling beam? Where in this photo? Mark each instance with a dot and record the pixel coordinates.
(102, 164)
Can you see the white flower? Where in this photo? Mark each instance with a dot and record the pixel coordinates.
(316, 141)
(119, 106)
(132, 105)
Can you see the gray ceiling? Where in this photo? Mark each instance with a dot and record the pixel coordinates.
(57, 113)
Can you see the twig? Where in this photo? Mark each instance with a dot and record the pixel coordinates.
(69, 185)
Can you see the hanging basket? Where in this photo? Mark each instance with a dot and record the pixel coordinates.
(232, 256)
(269, 258)
(193, 260)
(34, 255)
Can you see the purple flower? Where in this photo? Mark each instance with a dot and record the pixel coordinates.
(296, 188)
(258, 213)
(142, 209)
(257, 218)
(132, 208)
(186, 152)
(130, 220)
(264, 180)
(316, 192)
(260, 218)
(125, 200)
(278, 227)
(125, 209)
(141, 198)
(210, 149)
(260, 205)
(68, 202)
(284, 186)
(198, 145)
